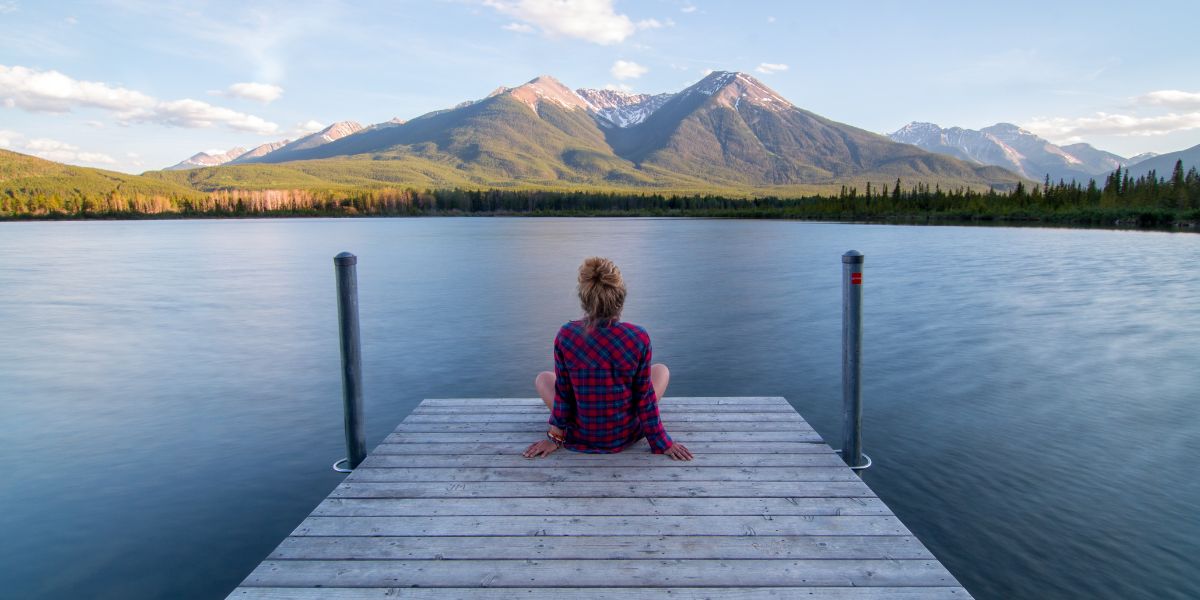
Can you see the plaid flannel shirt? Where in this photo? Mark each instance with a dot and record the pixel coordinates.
(603, 398)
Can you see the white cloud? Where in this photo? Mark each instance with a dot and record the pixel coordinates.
(618, 87)
(769, 68)
(71, 21)
(595, 21)
(262, 92)
(705, 72)
(307, 127)
(47, 145)
(54, 150)
(195, 114)
(770, 19)
(691, 8)
(1171, 98)
(1059, 128)
(9, 6)
(625, 69)
(518, 27)
(51, 91)
(1132, 121)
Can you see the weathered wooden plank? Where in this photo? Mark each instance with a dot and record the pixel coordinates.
(539, 419)
(597, 573)
(596, 593)
(724, 525)
(668, 401)
(540, 409)
(405, 507)
(538, 473)
(540, 428)
(878, 547)
(604, 489)
(627, 459)
(687, 437)
(447, 446)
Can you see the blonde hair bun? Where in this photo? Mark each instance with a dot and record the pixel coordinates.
(601, 289)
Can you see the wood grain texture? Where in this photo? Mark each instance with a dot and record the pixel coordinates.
(600, 573)
(605, 489)
(538, 426)
(641, 460)
(446, 446)
(400, 507)
(624, 593)
(539, 433)
(588, 473)
(537, 526)
(876, 547)
(446, 507)
(539, 408)
(665, 402)
(539, 417)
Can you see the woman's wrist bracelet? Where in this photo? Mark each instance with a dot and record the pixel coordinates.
(558, 440)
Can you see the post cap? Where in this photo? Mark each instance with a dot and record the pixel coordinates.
(852, 257)
(344, 259)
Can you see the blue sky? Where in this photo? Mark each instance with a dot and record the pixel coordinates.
(134, 85)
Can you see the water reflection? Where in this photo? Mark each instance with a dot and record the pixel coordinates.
(170, 388)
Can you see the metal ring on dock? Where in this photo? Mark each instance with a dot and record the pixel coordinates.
(347, 461)
(866, 466)
(861, 467)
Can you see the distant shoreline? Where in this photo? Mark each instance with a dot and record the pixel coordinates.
(1122, 203)
(1130, 222)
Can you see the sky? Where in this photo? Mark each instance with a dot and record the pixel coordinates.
(136, 85)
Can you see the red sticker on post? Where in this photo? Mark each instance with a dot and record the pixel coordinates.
(856, 279)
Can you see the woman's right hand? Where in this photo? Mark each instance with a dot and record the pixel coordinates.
(540, 449)
(678, 451)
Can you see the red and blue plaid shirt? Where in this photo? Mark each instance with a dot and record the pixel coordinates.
(603, 397)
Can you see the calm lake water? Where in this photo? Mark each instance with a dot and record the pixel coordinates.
(170, 395)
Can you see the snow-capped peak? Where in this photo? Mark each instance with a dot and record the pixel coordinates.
(1009, 146)
(615, 108)
(731, 89)
(916, 129)
(713, 82)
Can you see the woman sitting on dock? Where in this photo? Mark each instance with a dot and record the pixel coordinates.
(601, 394)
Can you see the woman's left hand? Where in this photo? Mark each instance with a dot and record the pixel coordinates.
(539, 449)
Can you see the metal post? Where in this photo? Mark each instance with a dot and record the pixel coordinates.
(347, 290)
(852, 263)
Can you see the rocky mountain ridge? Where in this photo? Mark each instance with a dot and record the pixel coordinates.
(208, 159)
(1011, 147)
(728, 130)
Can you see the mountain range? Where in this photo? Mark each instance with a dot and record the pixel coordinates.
(210, 159)
(1013, 148)
(1163, 165)
(728, 132)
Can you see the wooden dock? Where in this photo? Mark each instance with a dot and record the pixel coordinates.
(446, 507)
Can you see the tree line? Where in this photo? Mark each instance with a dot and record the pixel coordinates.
(1148, 200)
